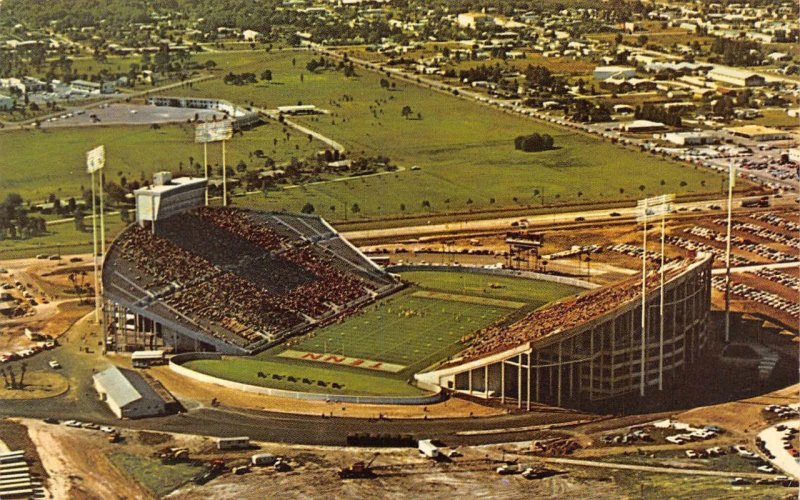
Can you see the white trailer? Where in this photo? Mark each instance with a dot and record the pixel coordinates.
(233, 443)
(263, 459)
(427, 448)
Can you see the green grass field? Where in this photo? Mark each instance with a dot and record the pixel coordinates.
(404, 329)
(38, 163)
(465, 151)
(152, 474)
(535, 293)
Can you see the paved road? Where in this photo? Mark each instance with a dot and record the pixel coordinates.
(773, 440)
(504, 223)
(659, 470)
(756, 267)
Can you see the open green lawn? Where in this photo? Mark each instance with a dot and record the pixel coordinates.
(465, 150)
(404, 329)
(37, 163)
(535, 293)
(62, 238)
(353, 381)
(152, 474)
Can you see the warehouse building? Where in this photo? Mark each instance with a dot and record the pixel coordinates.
(129, 395)
(759, 133)
(737, 77)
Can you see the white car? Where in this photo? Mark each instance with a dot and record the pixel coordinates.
(73, 423)
(54, 364)
(108, 429)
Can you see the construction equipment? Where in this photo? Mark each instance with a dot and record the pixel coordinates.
(215, 468)
(172, 455)
(359, 470)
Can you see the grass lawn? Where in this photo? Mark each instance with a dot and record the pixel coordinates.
(353, 381)
(536, 293)
(465, 150)
(152, 474)
(61, 238)
(41, 162)
(404, 329)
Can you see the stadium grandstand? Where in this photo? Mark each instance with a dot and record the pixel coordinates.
(230, 280)
(589, 347)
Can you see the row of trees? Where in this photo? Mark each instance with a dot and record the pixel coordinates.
(15, 223)
(240, 78)
(533, 142)
(657, 114)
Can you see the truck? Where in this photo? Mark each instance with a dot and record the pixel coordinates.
(756, 202)
(427, 448)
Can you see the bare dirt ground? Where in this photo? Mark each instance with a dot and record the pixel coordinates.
(47, 282)
(400, 473)
(743, 418)
(77, 464)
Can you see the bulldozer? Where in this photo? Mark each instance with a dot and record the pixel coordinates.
(173, 455)
(358, 470)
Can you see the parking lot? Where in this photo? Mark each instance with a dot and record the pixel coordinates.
(128, 114)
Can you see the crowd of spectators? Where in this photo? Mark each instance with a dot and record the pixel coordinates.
(559, 316)
(237, 276)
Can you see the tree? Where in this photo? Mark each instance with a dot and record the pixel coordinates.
(308, 208)
(406, 112)
(266, 75)
(384, 83)
(355, 208)
(79, 225)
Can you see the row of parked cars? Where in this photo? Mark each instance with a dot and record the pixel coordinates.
(783, 411)
(6, 357)
(706, 432)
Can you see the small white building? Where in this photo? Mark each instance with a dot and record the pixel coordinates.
(606, 72)
(94, 87)
(691, 138)
(474, 20)
(250, 35)
(128, 394)
(6, 103)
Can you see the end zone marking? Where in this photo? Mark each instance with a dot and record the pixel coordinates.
(468, 299)
(336, 359)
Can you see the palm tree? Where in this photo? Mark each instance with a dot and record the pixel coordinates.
(23, 368)
(13, 378)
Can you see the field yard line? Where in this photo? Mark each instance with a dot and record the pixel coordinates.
(468, 299)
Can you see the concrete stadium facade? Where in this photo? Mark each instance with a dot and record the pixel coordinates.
(599, 359)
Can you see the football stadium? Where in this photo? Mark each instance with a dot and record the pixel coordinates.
(282, 304)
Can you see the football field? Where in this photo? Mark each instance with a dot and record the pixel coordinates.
(409, 330)
(377, 350)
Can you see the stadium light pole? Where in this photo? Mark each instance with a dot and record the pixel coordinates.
(95, 160)
(205, 164)
(644, 304)
(661, 304)
(94, 250)
(731, 182)
(224, 178)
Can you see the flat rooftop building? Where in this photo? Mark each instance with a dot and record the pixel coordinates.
(128, 394)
